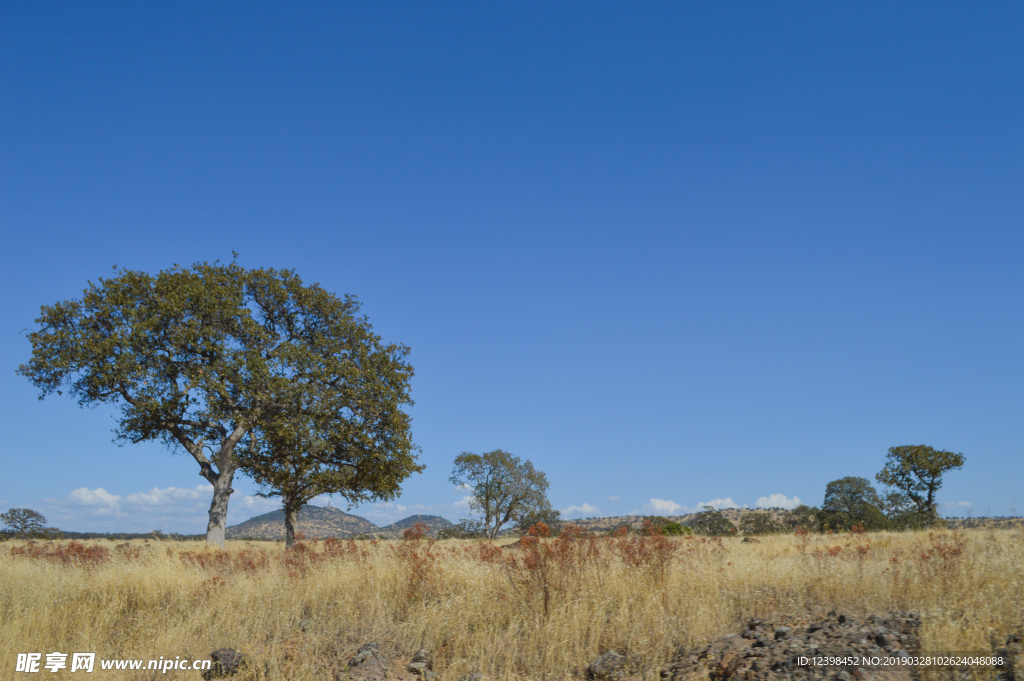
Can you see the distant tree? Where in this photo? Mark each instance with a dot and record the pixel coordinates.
(656, 524)
(915, 473)
(543, 514)
(902, 514)
(673, 528)
(852, 501)
(760, 522)
(465, 529)
(802, 517)
(505, 488)
(713, 523)
(24, 522)
(197, 357)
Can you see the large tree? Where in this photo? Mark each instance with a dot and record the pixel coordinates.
(24, 521)
(505, 488)
(852, 501)
(196, 357)
(915, 471)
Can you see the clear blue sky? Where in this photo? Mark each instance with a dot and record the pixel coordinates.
(672, 253)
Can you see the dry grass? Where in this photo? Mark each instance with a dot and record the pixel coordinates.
(538, 612)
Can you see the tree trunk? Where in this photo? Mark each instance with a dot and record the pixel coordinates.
(217, 527)
(221, 480)
(289, 526)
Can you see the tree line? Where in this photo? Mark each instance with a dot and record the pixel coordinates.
(253, 371)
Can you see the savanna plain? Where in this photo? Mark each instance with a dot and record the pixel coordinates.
(540, 610)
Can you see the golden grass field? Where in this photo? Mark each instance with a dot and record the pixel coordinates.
(536, 613)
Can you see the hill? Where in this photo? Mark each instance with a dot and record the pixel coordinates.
(434, 523)
(323, 522)
(313, 521)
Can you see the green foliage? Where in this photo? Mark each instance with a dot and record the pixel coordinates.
(903, 514)
(852, 501)
(24, 522)
(466, 529)
(803, 517)
(336, 425)
(505, 488)
(712, 523)
(542, 514)
(203, 357)
(760, 522)
(661, 525)
(915, 473)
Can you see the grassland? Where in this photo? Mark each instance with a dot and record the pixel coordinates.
(538, 612)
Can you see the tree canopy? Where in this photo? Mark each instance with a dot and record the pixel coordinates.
(712, 522)
(505, 489)
(354, 443)
(852, 501)
(24, 522)
(202, 357)
(915, 472)
(760, 522)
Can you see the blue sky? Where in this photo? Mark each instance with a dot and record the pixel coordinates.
(672, 253)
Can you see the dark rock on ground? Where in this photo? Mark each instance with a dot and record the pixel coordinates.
(226, 662)
(1012, 653)
(770, 652)
(607, 667)
(366, 665)
(422, 664)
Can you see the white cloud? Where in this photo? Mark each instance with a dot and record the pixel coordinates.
(663, 506)
(169, 495)
(777, 501)
(463, 502)
(584, 508)
(100, 500)
(172, 509)
(956, 505)
(613, 498)
(719, 504)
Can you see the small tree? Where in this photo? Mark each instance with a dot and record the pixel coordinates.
(713, 523)
(505, 488)
(336, 425)
(852, 501)
(24, 522)
(359, 452)
(915, 471)
(760, 522)
(551, 517)
(803, 517)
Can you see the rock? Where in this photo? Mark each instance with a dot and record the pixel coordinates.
(607, 667)
(366, 665)
(226, 662)
(767, 652)
(1012, 653)
(422, 656)
(751, 540)
(422, 664)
